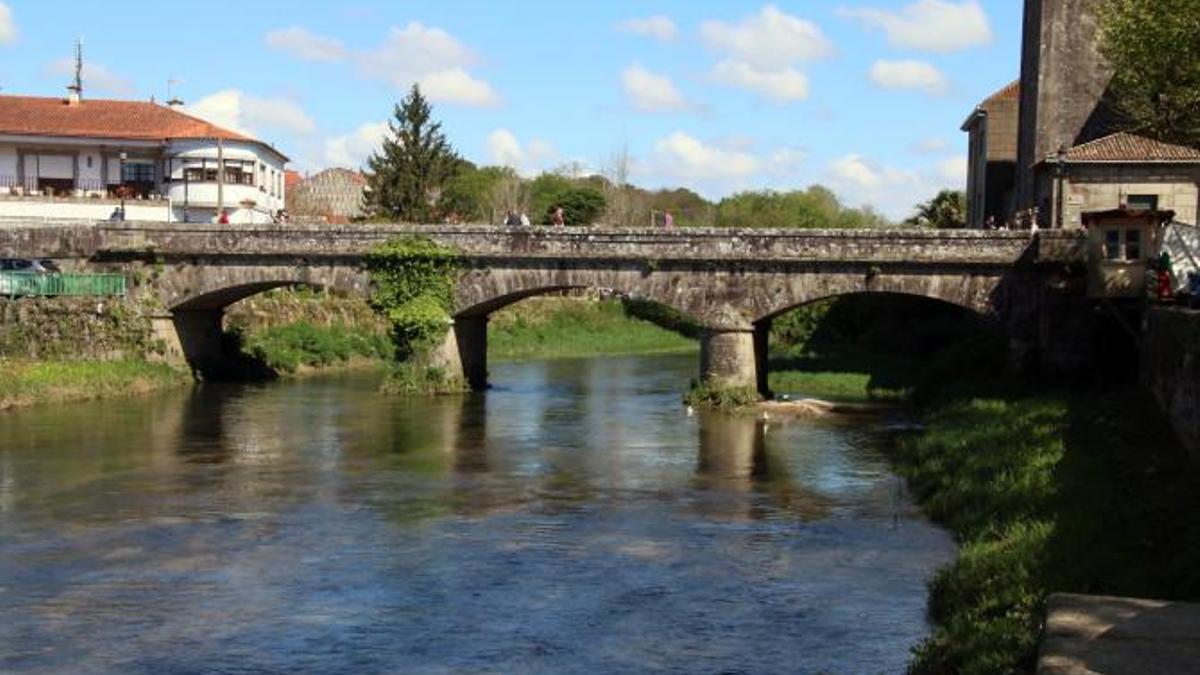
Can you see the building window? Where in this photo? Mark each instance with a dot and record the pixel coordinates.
(1143, 202)
(137, 172)
(89, 161)
(1123, 244)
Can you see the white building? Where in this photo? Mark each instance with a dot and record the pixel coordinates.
(75, 159)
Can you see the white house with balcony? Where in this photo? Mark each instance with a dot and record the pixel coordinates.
(71, 158)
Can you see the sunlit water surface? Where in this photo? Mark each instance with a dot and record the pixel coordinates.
(572, 520)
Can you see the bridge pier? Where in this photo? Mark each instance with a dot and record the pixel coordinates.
(197, 338)
(728, 359)
(463, 352)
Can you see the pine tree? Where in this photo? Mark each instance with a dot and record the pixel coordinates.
(406, 175)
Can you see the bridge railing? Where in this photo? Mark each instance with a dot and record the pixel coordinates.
(22, 284)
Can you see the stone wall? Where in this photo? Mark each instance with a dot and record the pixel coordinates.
(1171, 369)
(74, 328)
(1100, 187)
(1063, 84)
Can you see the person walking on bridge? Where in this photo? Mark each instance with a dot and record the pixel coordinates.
(558, 219)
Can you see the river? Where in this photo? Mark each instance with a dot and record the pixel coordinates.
(574, 519)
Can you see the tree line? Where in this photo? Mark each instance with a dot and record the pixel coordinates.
(417, 176)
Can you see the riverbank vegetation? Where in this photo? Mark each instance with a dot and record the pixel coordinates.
(412, 286)
(571, 326)
(1078, 491)
(24, 383)
(1046, 488)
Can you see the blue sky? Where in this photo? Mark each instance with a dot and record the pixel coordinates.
(865, 96)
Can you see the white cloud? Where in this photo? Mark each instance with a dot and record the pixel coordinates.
(253, 115)
(456, 85)
(432, 58)
(954, 169)
(716, 167)
(656, 27)
(912, 75)
(414, 54)
(684, 157)
(651, 92)
(782, 85)
(96, 77)
(8, 25)
(505, 149)
(762, 52)
(893, 191)
(929, 146)
(769, 39)
(303, 44)
(352, 150)
(929, 25)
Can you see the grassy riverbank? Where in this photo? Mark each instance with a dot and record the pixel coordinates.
(1081, 491)
(26, 383)
(302, 346)
(565, 327)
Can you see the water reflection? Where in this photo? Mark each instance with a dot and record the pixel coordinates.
(573, 519)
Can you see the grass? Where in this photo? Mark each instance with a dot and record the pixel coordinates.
(25, 383)
(846, 374)
(566, 327)
(291, 347)
(1083, 492)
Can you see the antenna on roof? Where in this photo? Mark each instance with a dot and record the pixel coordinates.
(76, 88)
(172, 100)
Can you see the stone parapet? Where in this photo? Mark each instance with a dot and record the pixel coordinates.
(1171, 369)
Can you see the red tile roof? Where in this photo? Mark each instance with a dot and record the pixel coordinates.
(1126, 147)
(1010, 92)
(292, 178)
(97, 118)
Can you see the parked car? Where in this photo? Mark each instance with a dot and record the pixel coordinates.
(43, 266)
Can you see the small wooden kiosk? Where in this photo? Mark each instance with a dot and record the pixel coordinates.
(1123, 244)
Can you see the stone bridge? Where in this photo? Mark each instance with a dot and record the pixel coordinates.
(732, 282)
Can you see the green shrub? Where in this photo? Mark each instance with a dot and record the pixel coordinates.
(721, 398)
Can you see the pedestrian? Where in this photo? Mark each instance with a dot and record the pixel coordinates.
(223, 219)
(990, 223)
(668, 220)
(524, 219)
(558, 219)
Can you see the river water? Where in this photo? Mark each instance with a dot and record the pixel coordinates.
(574, 519)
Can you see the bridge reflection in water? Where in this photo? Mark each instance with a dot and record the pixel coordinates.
(572, 519)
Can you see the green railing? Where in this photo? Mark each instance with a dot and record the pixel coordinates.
(14, 284)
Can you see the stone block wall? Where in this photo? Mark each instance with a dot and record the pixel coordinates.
(1171, 369)
(99, 329)
(1101, 187)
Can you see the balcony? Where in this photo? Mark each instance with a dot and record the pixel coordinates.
(65, 189)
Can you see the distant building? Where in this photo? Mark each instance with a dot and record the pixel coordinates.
(991, 173)
(333, 195)
(1072, 157)
(74, 158)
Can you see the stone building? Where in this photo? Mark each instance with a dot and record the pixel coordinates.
(993, 156)
(1071, 156)
(333, 195)
(1121, 169)
(76, 158)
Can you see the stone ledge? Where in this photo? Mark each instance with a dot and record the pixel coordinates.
(1088, 634)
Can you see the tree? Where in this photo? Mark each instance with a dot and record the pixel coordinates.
(814, 208)
(1154, 48)
(407, 174)
(948, 210)
(580, 205)
(471, 193)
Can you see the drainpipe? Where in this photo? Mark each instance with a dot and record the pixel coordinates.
(220, 177)
(1061, 199)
